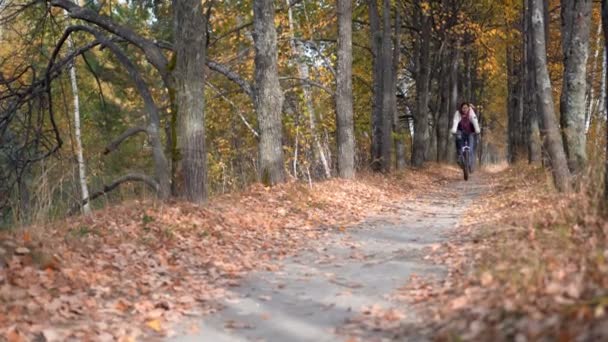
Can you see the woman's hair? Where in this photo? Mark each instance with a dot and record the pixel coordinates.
(464, 104)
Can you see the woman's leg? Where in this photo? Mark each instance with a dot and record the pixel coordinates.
(472, 146)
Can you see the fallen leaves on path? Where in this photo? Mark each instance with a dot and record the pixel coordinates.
(526, 264)
(133, 271)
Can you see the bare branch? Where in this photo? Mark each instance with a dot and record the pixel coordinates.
(310, 83)
(131, 177)
(231, 75)
(152, 52)
(121, 138)
(236, 109)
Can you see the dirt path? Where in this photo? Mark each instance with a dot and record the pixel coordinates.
(319, 293)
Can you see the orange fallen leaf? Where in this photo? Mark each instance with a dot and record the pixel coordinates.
(154, 325)
(15, 336)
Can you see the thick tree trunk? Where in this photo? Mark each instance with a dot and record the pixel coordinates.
(82, 173)
(398, 126)
(442, 125)
(515, 101)
(559, 165)
(377, 120)
(344, 92)
(576, 21)
(531, 114)
(421, 125)
(304, 75)
(388, 89)
(268, 94)
(189, 27)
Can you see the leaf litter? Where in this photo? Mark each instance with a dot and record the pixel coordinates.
(133, 271)
(526, 264)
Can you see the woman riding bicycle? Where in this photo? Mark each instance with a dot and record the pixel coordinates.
(465, 126)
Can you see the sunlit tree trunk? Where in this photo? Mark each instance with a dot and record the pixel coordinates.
(190, 32)
(605, 93)
(576, 21)
(590, 86)
(268, 98)
(553, 140)
(310, 108)
(82, 172)
(344, 92)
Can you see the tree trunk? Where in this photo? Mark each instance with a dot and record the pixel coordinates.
(591, 83)
(421, 124)
(605, 93)
(515, 105)
(531, 114)
(377, 120)
(268, 94)
(398, 126)
(82, 173)
(559, 165)
(344, 92)
(453, 106)
(443, 115)
(388, 89)
(304, 75)
(190, 38)
(576, 21)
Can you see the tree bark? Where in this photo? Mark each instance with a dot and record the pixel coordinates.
(531, 114)
(377, 82)
(443, 120)
(421, 124)
(344, 92)
(515, 105)
(388, 88)
(576, 21)
(553, 140)
(592, 77)
(189, 27)
(269, 98)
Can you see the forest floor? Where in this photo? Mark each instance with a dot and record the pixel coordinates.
(416, 255)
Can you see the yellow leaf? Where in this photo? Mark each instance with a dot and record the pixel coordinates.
(154, 325)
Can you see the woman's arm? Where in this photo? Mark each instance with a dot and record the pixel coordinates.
(475, 122)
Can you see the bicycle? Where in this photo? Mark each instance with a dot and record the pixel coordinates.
(464, 158)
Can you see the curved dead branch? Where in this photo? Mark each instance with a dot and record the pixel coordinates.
(128, 178)
(113, 146)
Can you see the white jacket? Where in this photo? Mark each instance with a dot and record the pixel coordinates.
(473, 118)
